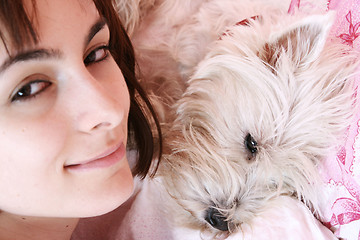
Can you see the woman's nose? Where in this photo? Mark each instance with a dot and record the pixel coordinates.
(98, 104)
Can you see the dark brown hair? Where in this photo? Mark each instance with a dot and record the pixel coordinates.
(20, 32)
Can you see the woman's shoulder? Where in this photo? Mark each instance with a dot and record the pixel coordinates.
(139, 218)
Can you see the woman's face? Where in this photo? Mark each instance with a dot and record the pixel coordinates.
(64, 108)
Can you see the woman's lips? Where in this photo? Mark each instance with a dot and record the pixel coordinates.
(107, 159)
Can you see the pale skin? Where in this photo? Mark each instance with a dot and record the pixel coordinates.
(64, 108)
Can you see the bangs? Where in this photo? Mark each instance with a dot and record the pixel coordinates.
(16, 30)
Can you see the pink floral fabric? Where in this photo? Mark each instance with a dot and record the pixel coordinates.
(341, 171)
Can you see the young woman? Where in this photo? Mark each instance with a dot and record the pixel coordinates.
(69, 104)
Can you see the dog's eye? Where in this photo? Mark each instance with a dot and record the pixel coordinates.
(250, 144)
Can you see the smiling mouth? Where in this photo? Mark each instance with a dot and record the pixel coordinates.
(106, 159)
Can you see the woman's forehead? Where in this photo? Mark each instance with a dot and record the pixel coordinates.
(23, 27)
(55, 15)
(45, 19)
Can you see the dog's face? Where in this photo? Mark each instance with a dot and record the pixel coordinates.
(260, 111)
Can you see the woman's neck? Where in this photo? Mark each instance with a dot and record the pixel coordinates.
(39, 228)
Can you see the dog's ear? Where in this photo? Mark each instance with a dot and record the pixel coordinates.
(302, 42)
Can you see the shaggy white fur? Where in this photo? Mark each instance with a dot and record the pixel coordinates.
(268, 98)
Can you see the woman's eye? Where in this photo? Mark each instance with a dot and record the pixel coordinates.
(97, 55)
(30, 90)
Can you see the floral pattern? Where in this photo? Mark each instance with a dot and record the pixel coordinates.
(341, 171)
(353, 34)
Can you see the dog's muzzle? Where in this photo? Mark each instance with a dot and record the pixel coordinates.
(216, 220)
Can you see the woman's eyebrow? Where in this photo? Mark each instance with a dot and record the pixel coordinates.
(43, 54)
(97, 27)
(35, 54)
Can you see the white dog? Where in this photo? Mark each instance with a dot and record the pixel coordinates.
(269, 96)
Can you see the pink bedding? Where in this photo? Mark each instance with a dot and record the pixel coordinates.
(341, 171)
(142, 218)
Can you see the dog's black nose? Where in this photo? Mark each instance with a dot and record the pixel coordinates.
(216, 220)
